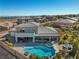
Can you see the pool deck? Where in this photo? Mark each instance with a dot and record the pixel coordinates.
(20, 48)
(56, 47)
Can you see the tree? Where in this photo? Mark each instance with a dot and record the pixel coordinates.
(75, 50)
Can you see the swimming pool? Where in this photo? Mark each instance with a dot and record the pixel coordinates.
(40, 50)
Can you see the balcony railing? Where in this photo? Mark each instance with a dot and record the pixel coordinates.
(24, 34)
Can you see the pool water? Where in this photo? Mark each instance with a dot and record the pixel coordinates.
(40, 50)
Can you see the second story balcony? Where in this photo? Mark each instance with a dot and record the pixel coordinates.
(24, 34)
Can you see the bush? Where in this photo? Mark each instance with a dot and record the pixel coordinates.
(9, 43)
(25, 53)
(33, 56)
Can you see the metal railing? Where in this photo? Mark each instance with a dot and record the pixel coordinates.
(24, 34)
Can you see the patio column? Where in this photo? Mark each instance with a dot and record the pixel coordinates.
(49, 38)
(33, 39)
(57, 38)
(16, 39)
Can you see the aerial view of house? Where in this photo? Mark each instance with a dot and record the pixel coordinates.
(39, 29)
(33, 32)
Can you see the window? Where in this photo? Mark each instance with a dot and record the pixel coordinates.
(22, 31)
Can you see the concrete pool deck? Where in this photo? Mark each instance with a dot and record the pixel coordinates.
(20, 48)
(57, 47)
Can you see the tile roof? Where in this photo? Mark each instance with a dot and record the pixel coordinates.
(46, 31)
(73, 18)
(30, 24)
(64, 21)
(13, 29)
(42, 29)
(47, 34)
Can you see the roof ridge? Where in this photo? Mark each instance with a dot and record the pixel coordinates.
(50, 28)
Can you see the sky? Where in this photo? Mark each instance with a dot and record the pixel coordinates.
(38, 7)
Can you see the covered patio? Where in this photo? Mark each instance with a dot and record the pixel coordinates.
(45, 38)
(36, 38)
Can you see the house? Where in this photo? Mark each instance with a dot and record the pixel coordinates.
(32, 32)
(63, 22)
(73, 18)
(25, 19)
(7, 24)
(37, 18)
(21, 20)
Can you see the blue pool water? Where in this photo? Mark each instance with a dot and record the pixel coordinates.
(40, 50)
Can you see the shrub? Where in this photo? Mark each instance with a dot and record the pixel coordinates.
(9, 43)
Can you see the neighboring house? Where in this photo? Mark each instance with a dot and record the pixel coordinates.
(7, 24)
(21, 20)
(63, 22)
(37, 18)
(32, 32)
(74, 18)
